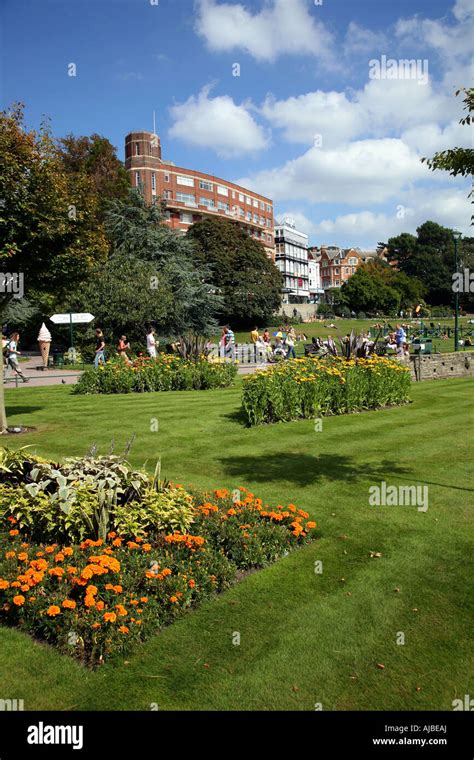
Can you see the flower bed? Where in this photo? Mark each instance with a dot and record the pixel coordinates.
(95, 597)
(310, 387)
(165, 373)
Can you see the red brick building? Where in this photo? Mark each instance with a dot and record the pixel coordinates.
(337, 265)
(191, 195)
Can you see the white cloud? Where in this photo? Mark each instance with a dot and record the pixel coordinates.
(359, 39)
(217, 123)
(382, 107)
(366, 228)
(281, 27)
(463, 9)
(329, 114)
(372, 170)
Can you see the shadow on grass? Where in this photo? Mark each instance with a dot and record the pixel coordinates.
(307, 469)
(15, 410)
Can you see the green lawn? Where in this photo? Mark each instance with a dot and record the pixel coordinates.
(305, 637)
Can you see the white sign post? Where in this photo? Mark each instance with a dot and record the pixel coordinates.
(72, 319)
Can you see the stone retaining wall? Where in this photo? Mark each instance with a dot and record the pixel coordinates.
(441, 366)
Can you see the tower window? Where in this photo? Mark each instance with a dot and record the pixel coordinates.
(153, 182)
(137, 149)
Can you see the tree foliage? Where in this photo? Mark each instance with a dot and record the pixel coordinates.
(240, 270)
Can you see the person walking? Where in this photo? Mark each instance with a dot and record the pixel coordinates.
(400, 340)
(290, 343)
(12, 356)
(151, 343)
(229, 339)
(254, 335)
(99, 348)
(123, 347)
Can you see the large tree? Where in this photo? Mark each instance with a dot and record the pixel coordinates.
(173, 286)
(247, 279)
(429, 257)
(96, 157)
(48, 231)
(376, 286)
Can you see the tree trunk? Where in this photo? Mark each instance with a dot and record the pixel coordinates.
(3, 414)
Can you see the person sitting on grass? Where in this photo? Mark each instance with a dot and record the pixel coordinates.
(12, 356)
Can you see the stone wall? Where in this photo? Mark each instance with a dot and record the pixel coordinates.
(441, 366)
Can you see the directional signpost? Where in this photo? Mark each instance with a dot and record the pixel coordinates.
(72, 319)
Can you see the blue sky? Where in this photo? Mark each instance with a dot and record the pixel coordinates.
(303, 122)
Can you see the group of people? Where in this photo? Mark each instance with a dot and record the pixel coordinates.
(283, 347)
(123, 346)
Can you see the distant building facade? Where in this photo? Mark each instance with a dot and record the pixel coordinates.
(191, 195)
(291, 258)
(338, 265)
(316, 291)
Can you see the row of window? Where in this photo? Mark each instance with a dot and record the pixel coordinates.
(344, 270)
(182, 179)
(185, 217)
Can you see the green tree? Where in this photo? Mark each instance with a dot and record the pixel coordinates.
(138, 232)
(240, 270)
(48, 231)
(96, 158)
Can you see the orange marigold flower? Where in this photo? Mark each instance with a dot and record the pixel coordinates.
(14, 532)
(111, 534)
(173, 599)
(91, 590)
(310, 524)
(57, 571)
(117, 589)
(132, 545)
(18, 600)
(11, 519)
(22, 556)
(110, 617)
(15, 584)
(49, 549)
(121, 610)
(89, 601)
(53, 610)
(191, 583)
(10, 555)
(69, 604)
(166, 572)
(117, 542)
(100, 605)
(144, 599)
(95, 625)
(59, 557)
(124, 629)
(40, 554)
(71, 570)
(25, 587)
(146, 547)
(68, 551)
(134, 601)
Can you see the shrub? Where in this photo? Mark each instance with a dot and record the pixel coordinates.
(311, 387)
(165, 373)
(96, 598)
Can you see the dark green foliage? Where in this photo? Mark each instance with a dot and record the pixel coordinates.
(240, 270)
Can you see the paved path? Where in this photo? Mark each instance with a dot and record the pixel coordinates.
(39, 378)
